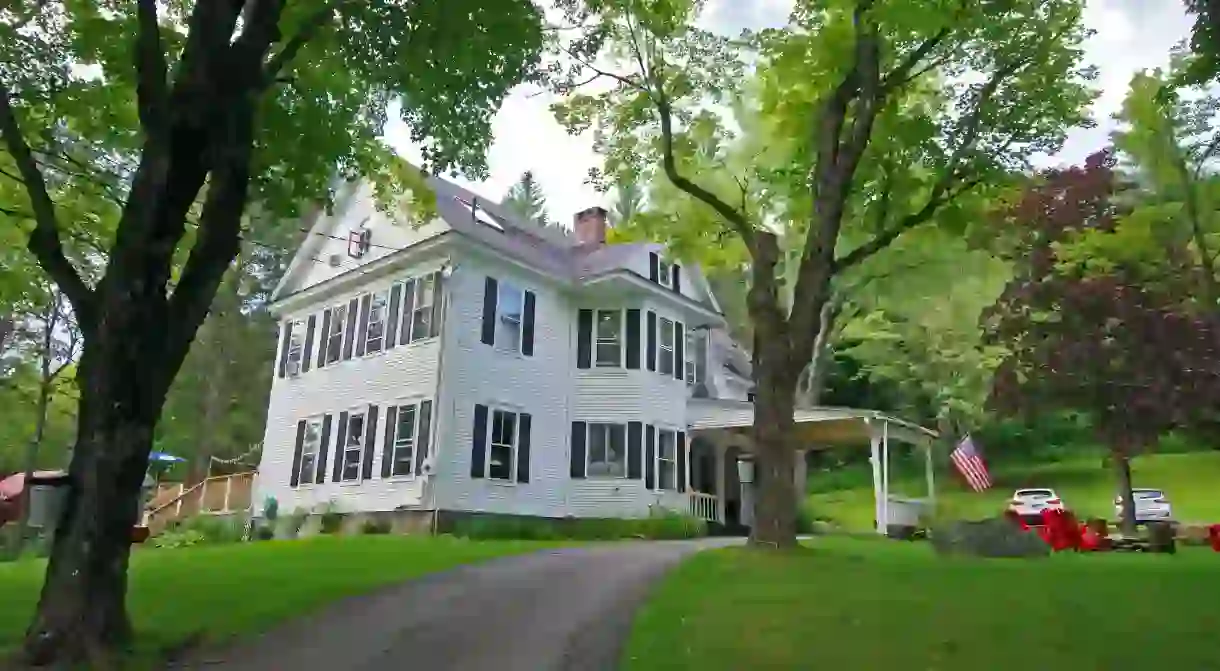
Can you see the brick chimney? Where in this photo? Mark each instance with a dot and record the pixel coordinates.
(590, 226)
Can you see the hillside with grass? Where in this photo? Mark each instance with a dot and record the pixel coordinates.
(1086, 484)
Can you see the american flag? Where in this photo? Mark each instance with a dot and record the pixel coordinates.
(970, 464)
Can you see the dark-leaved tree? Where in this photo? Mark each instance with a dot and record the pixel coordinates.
(182, 113)
(1135, 354)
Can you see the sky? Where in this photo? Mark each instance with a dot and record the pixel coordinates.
(1130, 35)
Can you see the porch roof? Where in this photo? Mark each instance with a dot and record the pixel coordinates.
(818, 427)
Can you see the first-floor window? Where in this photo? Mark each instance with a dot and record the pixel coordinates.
(666, 347)
(404, 440)
(501, 457)
(667, 459)
(607, 451)
(310, 446)
(510, 305)
(374, 335)
(353, 447)
(334, 335)
(609, 347)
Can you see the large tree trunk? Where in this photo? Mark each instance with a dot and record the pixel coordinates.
(1122, 473)
(82, 614)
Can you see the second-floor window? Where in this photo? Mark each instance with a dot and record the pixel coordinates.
(353, 447)
(609, 346)
(421, 312)
(607, 451)
(510, 304)
(334, 335)
(665, 274)
(374, 337)
(296, 346)
(665, 347)
(696, 356)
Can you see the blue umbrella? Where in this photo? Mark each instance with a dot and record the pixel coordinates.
(163, 458)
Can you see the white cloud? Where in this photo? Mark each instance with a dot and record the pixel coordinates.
(1131, 35)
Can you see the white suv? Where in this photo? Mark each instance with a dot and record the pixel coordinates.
(1029, 503)
(1151, 505)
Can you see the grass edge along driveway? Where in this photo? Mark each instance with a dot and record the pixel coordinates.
(876, 604)
(225, 591)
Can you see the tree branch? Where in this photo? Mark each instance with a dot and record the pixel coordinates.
(152, 89)
(44, 242)
(293, 46)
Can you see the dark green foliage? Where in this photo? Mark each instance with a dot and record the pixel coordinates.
(374, 526)
(659, 526)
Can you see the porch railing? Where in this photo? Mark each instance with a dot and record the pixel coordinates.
(703, 506)
(217, 495)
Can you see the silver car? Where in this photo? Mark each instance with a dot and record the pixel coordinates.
(1151, 505)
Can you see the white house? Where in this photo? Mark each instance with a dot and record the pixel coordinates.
(482, 364)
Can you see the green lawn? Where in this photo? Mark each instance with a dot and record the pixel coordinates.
(227, 590)
(876, 604)
(1191, 480)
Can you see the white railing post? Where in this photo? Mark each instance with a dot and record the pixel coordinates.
(228, 491)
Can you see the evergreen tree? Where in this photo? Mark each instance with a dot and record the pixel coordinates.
(525, 199)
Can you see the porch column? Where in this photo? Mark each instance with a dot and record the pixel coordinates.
(721, 488)
(875, 459)
(930, 472)
(885, 477)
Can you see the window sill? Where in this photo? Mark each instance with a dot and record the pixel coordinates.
(401, 478)
(502, 483)
(351, 483)
(306, 486)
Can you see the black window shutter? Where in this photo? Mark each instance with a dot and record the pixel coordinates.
(679, 345)
(650, 455)
(408, 309)
(478, 452)
(577, 469)
(652, 341)
(323, 337)
(527, 325)
(633, 339)
(387, 447)
(677, 278)
(323, 447)
(295, 478)
(635, 436)
(523, 447)
(654, 263)
(437, 303)
(285, 338)
(370, 442)
(391, 322)
(423, 437)
(340, 442)
(363, 330)
(349, 338)
(490, 287)
(307, 352)
(681, 479)
(584, 338)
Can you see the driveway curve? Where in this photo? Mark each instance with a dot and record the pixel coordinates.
(552, 610)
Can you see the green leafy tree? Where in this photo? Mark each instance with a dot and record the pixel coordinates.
(525, 199)
(890, 115)
(182, 113)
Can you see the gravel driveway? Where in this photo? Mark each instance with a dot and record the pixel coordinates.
(556, 609)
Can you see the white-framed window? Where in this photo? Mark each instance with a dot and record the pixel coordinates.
(374, 325)
(502, 448)
(665, 347)
(607, 451)
(406, 435)
(665, 273)
(421, 313)
(311, 445)
(510, 306)
(296, 346)
(608, 345)
(667, 459)
(353, 447)
(696, 355)
(334, 334)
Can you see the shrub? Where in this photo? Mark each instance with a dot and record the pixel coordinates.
(264, 532)
(215, 528)
(331, 520)
(296, 522)
(660, 525)
(374, 526)
(178, 538)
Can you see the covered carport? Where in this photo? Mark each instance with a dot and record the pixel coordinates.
(720, 434)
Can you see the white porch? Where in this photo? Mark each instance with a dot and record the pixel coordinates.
(719, 436)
